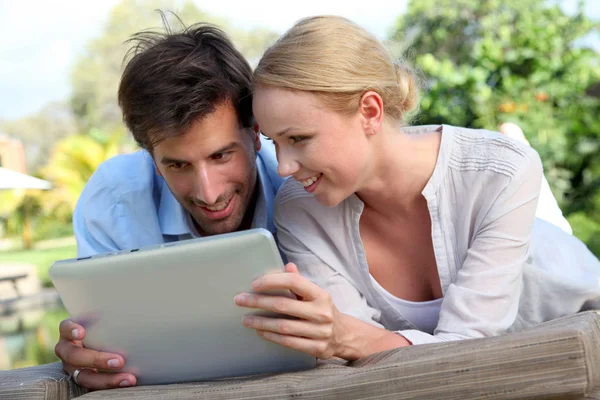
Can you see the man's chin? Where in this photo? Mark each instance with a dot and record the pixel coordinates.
(207, 228)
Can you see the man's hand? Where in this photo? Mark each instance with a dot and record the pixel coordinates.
(74, 356)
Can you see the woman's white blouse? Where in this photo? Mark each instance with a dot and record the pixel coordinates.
(500, 268)
(424, 315)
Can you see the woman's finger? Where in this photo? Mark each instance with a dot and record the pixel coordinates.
(284, 326)
(282, 305)
(292, 268)
(290, 281)
(277, 304)
(316, 348)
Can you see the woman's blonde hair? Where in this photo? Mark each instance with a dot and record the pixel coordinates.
(339, 61)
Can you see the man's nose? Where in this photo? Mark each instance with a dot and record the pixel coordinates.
(287, 164)
(208, 187)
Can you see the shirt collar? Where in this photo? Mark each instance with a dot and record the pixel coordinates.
(174, 220)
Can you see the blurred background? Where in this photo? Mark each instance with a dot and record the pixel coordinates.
(483, 62)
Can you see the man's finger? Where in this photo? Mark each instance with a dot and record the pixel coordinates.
(73, 354)
(70, 330)
(95, 380)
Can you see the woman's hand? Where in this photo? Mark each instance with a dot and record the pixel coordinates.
(318, 328)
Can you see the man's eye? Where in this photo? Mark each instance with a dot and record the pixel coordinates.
(177, 165)
(221, 156)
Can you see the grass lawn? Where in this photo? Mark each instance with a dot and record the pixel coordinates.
(42, 258)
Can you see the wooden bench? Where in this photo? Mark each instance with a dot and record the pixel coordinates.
(13, 279)
(559, 359)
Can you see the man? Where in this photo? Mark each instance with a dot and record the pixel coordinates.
(186, 98)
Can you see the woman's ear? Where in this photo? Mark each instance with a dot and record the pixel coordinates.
(370, 108)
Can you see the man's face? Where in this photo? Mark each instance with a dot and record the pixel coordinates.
(211, 170)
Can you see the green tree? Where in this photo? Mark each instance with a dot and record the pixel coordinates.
(40, 131)
(484, 62)
(20, 209)
(96, 74)
(72, 162)
(36, 214)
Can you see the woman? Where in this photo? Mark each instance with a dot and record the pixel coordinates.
(402, 236)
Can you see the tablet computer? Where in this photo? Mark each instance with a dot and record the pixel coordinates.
(169, 309)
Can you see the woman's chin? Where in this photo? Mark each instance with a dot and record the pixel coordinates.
(328, 199)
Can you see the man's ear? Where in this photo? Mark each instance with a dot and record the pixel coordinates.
(370, 108)
(155, 165)
(157, 170)
(256, 131)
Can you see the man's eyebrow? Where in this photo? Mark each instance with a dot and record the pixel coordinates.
(168, 160)
(225, 149)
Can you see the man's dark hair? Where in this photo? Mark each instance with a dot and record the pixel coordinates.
(173, 79)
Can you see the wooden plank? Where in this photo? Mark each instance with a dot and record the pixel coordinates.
(13, 279)
(43, 382)
(559, 359)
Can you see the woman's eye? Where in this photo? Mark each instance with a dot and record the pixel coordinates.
(296, 139)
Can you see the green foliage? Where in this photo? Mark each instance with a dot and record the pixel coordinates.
(41, 258)
(38, 340)
(587, 230)
(48, 218)
(485, 62)
(39, 349)
(72, 161)
(20, 213)
(38, 215)
(39, 132)
(53, 227)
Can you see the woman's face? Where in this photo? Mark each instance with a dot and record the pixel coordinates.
(327, 152)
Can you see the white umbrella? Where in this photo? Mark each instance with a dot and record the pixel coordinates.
(10, 179)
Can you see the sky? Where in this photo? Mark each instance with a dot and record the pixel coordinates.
(40, 40)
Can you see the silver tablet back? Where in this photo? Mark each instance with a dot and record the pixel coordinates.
(169, 309)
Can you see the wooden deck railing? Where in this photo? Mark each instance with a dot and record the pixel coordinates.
(556, 360)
